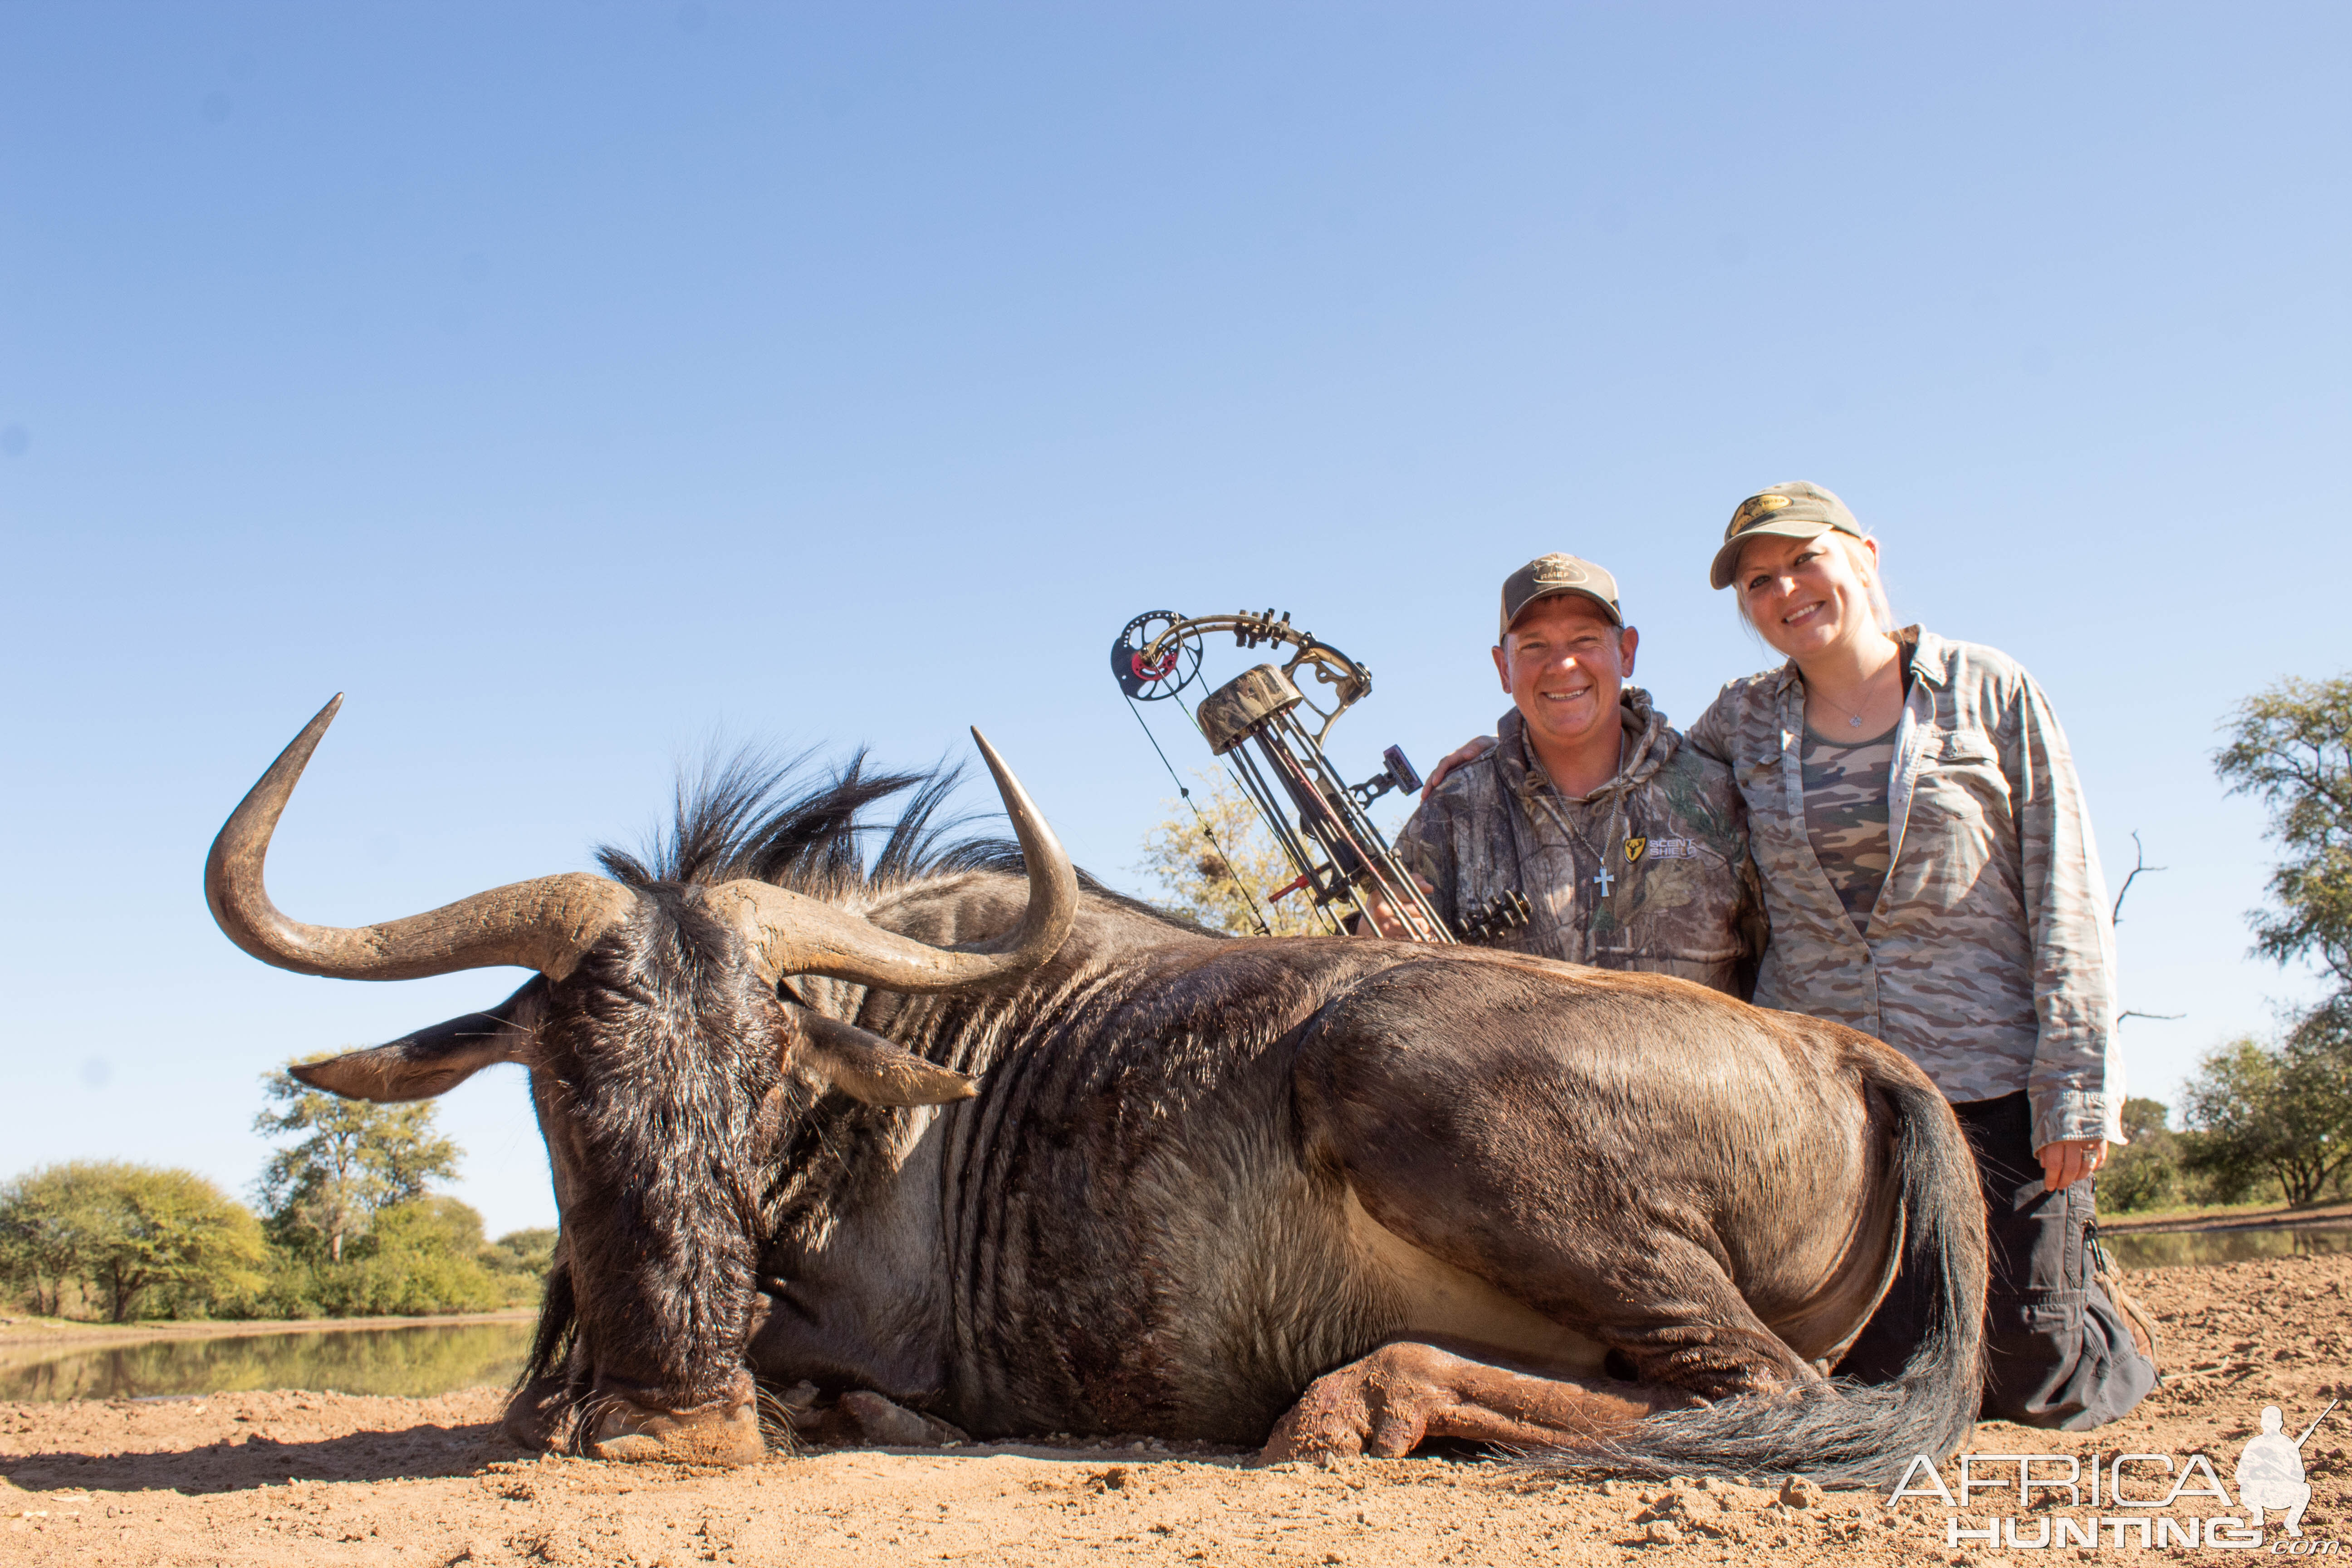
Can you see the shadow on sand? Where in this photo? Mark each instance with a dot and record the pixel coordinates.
(411, 1454)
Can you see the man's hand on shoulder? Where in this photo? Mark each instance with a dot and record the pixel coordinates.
(1470, 751)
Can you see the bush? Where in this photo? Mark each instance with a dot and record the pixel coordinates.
(520, 1259)
(2145, 1172)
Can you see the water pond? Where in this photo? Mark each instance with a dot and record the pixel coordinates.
(2168, 1249)
(413, 1362)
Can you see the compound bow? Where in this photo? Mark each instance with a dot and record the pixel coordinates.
(1318, 818)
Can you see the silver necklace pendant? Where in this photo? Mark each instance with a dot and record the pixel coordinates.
(1856, 721)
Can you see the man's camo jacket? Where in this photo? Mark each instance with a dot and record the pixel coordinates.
(1990, 958)
(1682, 897)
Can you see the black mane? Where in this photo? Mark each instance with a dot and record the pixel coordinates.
(753, 815)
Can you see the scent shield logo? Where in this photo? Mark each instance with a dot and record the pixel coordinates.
(2164, 1501)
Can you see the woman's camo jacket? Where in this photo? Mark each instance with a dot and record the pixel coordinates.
(1990, 958)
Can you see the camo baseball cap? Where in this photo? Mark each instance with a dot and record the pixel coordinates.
(1793, 510)
(1549, 575)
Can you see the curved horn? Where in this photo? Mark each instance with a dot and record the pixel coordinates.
(545, 924)
(791, 933)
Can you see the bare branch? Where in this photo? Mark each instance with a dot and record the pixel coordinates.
(2140, 855)
(2160, 1018)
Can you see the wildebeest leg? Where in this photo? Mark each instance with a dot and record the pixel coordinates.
(1402, 1395)
(862, 1416)
(1580, 1186)
(1622, 1268)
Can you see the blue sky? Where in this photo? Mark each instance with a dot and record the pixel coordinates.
(572, 383)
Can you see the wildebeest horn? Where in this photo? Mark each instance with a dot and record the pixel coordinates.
(794, 934)
(544, 924)
(549, 923)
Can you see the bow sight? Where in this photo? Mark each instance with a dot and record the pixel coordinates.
(1341, 858)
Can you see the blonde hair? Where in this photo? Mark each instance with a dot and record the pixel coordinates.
(1865, 567)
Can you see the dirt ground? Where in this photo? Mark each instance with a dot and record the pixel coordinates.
(302, 1478)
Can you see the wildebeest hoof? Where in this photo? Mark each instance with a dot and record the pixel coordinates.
(723, 1433)
(863, 1417)
(1376, 1407)
(536, 1413)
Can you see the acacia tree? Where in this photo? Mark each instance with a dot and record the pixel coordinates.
(1220, 866)
(356, 1157)
(2291, 746)
(123, 1230)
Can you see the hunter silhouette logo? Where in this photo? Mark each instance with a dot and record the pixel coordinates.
(2270, 1470)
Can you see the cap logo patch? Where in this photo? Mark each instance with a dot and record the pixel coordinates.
(1756, 509)
(1555, 568)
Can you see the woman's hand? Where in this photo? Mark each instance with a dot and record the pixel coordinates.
(1470, 751)
(2070, 1160)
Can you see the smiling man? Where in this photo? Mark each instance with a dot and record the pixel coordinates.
(1630, 847)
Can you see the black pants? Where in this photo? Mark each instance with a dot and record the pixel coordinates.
(2057, 1353)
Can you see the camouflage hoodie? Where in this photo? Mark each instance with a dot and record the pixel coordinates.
(1990, 959)
(1679, 895)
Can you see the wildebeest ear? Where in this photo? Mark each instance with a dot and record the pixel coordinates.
(864, 1065)
(435, 1060)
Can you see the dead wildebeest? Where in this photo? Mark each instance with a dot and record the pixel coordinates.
(1028, 1157)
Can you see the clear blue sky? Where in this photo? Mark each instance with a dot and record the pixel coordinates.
(572, 382)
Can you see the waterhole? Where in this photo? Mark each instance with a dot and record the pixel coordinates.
(2171, 1250)
(413, 1361)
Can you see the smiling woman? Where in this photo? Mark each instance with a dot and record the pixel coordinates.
(1931, 879)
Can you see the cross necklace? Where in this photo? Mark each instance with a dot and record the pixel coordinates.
(1601, 879)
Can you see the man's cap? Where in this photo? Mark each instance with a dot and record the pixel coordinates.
(1549, 575)
(1793, 510)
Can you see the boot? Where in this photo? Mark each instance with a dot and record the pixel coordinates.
(2136, 1318)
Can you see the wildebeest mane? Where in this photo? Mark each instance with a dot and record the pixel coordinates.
(755, 814)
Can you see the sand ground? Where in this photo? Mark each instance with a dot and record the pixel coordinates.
(289, 1478)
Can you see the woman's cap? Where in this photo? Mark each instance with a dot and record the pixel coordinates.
(1794, 511)
(1548, 575)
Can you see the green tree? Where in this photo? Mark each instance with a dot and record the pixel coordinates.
(2291, 746)
(49, 1218)
(2281, 1110)
(355, 1159)
(1205, 877)
(124, 1230)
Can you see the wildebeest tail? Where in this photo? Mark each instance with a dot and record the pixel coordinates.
(1846, 1433)
(559, 1321)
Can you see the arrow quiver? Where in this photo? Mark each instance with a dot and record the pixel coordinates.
(1270, 735)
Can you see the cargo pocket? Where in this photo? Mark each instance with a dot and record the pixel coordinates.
(2052, 1315)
